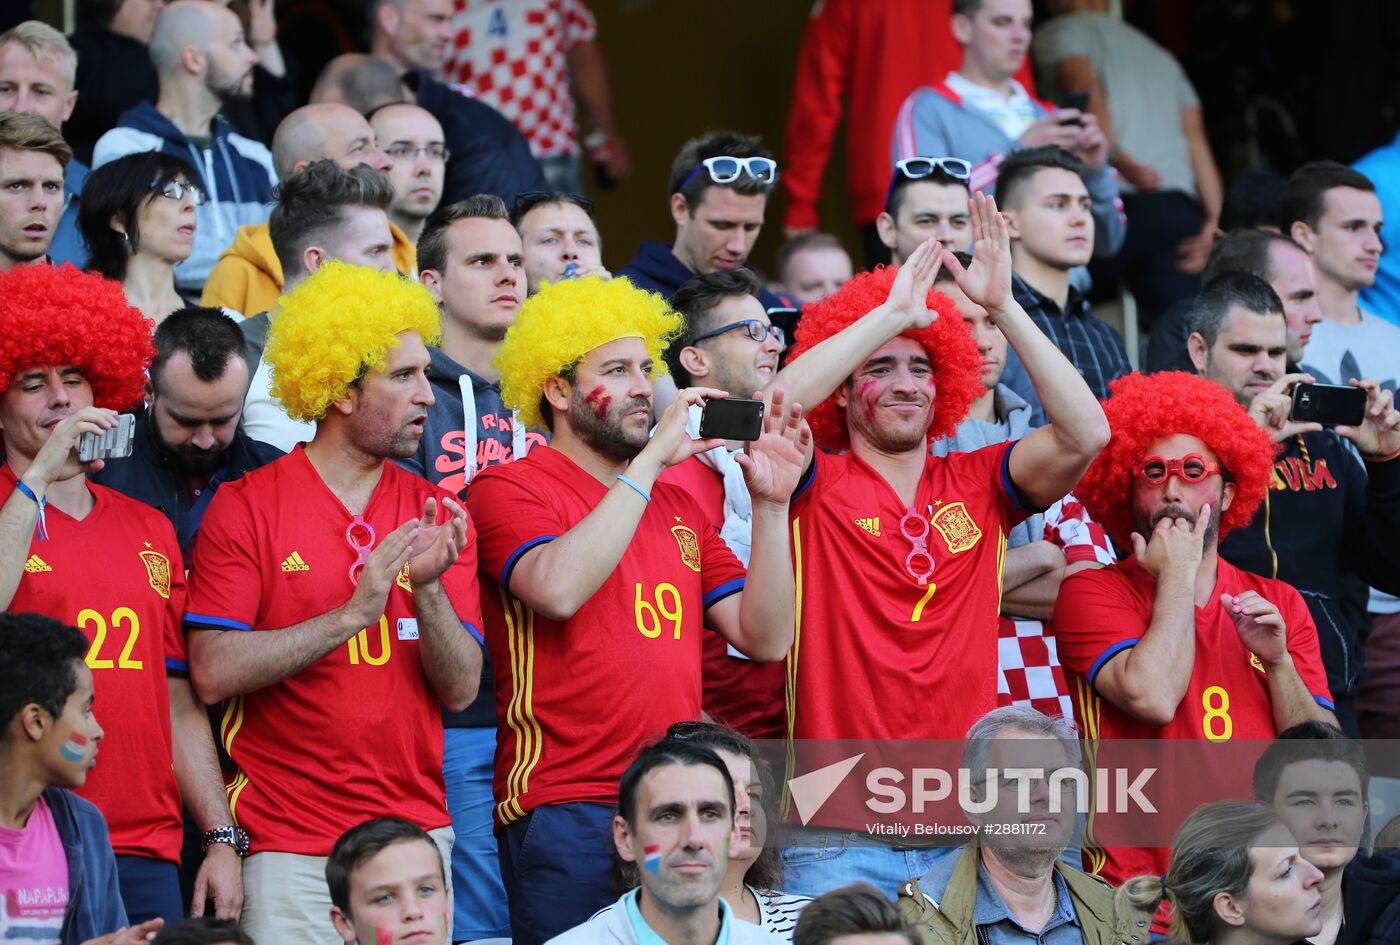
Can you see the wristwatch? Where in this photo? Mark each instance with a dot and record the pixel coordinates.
(235, 837)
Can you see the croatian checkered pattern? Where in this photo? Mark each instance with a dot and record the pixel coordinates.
(510, 54)
(1028, 668)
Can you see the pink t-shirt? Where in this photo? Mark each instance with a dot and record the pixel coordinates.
(33, 880)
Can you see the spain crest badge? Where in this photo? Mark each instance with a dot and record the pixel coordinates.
(157, 571)
(689, 545)
(960, 533)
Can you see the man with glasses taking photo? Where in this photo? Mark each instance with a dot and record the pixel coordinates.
(719, 191)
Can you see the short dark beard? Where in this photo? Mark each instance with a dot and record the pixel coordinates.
(605, 435)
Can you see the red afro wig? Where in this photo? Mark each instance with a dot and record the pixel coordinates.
(57, 315)
(957, 367)
(1142, 409)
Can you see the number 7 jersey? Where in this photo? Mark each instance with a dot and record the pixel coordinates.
(877, 654)
(576, 698)
(117, 575)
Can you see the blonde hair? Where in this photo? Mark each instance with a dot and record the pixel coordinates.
(337, 326)
(43, 41)
(559, 325)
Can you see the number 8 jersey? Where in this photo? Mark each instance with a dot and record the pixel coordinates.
(117, 575)
(576, 698)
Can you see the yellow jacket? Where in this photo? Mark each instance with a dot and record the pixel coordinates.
(248, 277)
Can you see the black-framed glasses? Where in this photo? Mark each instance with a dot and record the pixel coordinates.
(725, 169)
(176, 188)
(530, 199)
(757, 330)
(917, 168)
(436, 151)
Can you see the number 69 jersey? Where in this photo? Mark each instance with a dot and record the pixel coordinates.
(576, 698)
(117, 576)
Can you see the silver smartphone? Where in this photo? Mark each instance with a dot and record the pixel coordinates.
(115, 443)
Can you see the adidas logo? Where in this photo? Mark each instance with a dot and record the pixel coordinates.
(872, 525)
(36, 564)
(293, 562)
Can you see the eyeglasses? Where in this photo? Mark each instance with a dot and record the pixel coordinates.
(175, 189)
(359, 537)
(914, 527)
(530, 199)
(757, 330)
(917, 168)
(724, 169)
(438, 152)
(1192, 468)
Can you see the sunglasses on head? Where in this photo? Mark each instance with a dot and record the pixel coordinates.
(1192, 468)
(917, 168)
(724, 169)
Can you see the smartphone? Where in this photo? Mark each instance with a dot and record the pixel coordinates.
(115, 443)
(732, 419)
(1328, 404)
(1075, 100)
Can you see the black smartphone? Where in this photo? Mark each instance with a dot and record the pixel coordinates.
(1328, 404)
(1076, 100)
(733, 418)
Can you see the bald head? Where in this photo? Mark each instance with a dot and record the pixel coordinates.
(360, 81)
(183, 24)
(326, 130)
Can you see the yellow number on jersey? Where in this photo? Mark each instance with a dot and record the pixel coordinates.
(923, 602)
(359, 645)
(649, 615)
(89, 618)
(1216, 702)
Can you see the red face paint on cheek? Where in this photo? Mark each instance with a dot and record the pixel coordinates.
(866, 393)
(599, 400)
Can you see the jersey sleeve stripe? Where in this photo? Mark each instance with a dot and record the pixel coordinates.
(204, 622)
(723, 591)
(1107, 655)
(520, 712)
(790, 701)
(1008, 485)
(1327, 704)
(514, 558)
(476, 634)
(172, 665)
(808, 477)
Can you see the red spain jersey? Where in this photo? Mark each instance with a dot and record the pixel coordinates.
(1101, 613)
(117, 576)
(576, 698)
(358, 733)
(877, 654)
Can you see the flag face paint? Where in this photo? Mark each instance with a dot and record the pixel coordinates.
(75, 749)
(653, 857)
(442, 926)
(383, 936)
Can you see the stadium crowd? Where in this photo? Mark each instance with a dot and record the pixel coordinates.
(378, 567)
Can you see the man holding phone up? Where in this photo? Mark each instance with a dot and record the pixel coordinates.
(1327, 521)
(598, 581)
(111, 566)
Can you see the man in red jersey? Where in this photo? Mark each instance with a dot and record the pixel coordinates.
(334, 601)
(111, 566)
(899, 553)
(599, 581)
(1176, 642)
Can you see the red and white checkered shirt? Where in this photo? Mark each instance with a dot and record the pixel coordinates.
(510, 54)
(1028, 667)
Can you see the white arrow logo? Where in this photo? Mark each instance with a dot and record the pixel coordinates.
(811, 790)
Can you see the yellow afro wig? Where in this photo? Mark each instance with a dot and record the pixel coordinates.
(336, 326)
(564, 321)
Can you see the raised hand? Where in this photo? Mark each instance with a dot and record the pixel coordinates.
(1270, 408)
(1378, 436)
(58, 457)
(1259, 624)
(909, 293)
(134, 935)
(440, 538)
(774, 462)
(988, 280)
(1175, 545)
